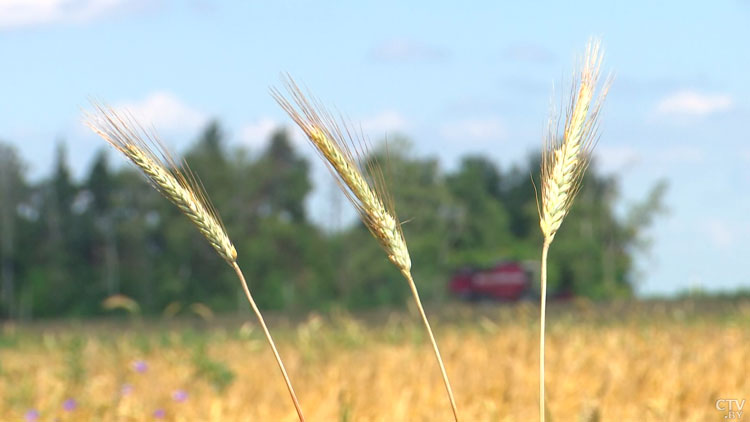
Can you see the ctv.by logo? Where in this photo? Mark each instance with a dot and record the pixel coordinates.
(733, 407)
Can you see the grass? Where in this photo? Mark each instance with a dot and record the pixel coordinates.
(645, 365)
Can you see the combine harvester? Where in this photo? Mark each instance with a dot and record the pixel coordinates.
(508, 281)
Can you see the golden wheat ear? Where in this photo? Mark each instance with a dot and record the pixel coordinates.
(565, 158)
(178, 184)
(343, 149)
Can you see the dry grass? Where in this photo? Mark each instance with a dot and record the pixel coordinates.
(648, 365)
(343, 150)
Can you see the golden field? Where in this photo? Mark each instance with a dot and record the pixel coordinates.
(613, 362)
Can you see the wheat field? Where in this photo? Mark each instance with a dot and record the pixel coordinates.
(615, 362)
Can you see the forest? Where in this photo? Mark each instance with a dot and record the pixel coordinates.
(66, 245)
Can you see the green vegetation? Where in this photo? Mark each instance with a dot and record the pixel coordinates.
(68, 244)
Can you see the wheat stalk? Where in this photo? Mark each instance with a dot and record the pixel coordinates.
(342, 150)
(564, 162)
(181, 187)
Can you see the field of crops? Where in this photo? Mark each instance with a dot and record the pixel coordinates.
(614, 362)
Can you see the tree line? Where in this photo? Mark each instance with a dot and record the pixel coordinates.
(66, 244)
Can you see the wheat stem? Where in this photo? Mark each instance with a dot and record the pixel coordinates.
(443, 372)
(543, 318)
(262, 322)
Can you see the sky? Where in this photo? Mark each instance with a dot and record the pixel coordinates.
(476, 77)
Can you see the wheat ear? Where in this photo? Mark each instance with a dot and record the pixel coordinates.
(564, 162)
(181, 187)
(343, 150)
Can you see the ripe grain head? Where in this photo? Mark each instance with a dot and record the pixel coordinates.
(343, 150)
(175, 182)
(565, 157)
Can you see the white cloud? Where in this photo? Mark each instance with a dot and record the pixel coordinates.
(720, 233)
(694, 104)
(385, 122)
(21, 13)
(613, 159)
(165, 112)
(680, 154)
(528, 52)
(258, 132)
(401, 50)
(616, 158)
(475, 129)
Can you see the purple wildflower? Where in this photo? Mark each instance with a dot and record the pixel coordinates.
(180, 396)
(70, 405)
(31, 415)
(140, 366)
(160, 413)
(126, 389)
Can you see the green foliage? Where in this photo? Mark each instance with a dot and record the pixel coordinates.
(75, 370)
(215, 372)
(481, 219)
(13, 192)
(595, 250)
(67, 245)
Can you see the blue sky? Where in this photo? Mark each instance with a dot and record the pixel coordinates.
(454, 78)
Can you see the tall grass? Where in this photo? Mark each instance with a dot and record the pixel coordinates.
(179, 185)
(564, 161)
(342, 150)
